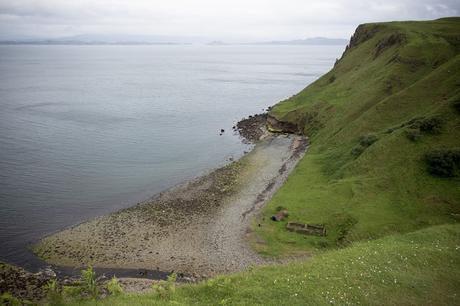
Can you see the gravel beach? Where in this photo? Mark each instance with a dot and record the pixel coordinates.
(198, 228)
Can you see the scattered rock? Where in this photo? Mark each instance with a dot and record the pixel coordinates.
(24, 285)
(252, 128)
(137, 285)
(46, 273)
(188, 279)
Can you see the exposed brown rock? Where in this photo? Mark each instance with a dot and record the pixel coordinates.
(276, 125)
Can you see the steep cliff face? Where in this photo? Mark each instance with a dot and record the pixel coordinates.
(380, 60)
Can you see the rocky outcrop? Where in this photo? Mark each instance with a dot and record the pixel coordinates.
(275, 125)
(389, 41)
(22, 284)
(252, 128)
(363, 33)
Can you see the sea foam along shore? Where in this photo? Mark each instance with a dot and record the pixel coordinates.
(199, 228)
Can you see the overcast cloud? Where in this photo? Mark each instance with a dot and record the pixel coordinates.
(243, 20)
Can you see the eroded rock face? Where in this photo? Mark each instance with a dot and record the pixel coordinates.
(363, 33)
(389, 41)
(276, 125)
(22, 284)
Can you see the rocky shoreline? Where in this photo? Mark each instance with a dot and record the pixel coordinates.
(197, 229)
(23, 284)
(253, 128)
(33, 288)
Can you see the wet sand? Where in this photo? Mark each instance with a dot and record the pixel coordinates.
(198, 228)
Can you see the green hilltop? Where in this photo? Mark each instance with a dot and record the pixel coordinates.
(381, 173)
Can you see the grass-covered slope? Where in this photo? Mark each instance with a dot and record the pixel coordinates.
(420, 268)
(391, 99)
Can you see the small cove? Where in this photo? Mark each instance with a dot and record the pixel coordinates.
(88, 130)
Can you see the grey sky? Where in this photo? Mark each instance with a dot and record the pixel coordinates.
(243, 20)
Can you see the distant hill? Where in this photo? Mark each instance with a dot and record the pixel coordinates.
(308, 41)
(106, 39)
(159, 40)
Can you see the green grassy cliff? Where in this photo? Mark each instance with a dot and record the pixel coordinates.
(388, 102)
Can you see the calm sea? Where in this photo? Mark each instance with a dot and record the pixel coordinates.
(87, 130)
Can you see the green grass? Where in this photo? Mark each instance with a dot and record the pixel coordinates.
(386, 189)
(419, 268)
